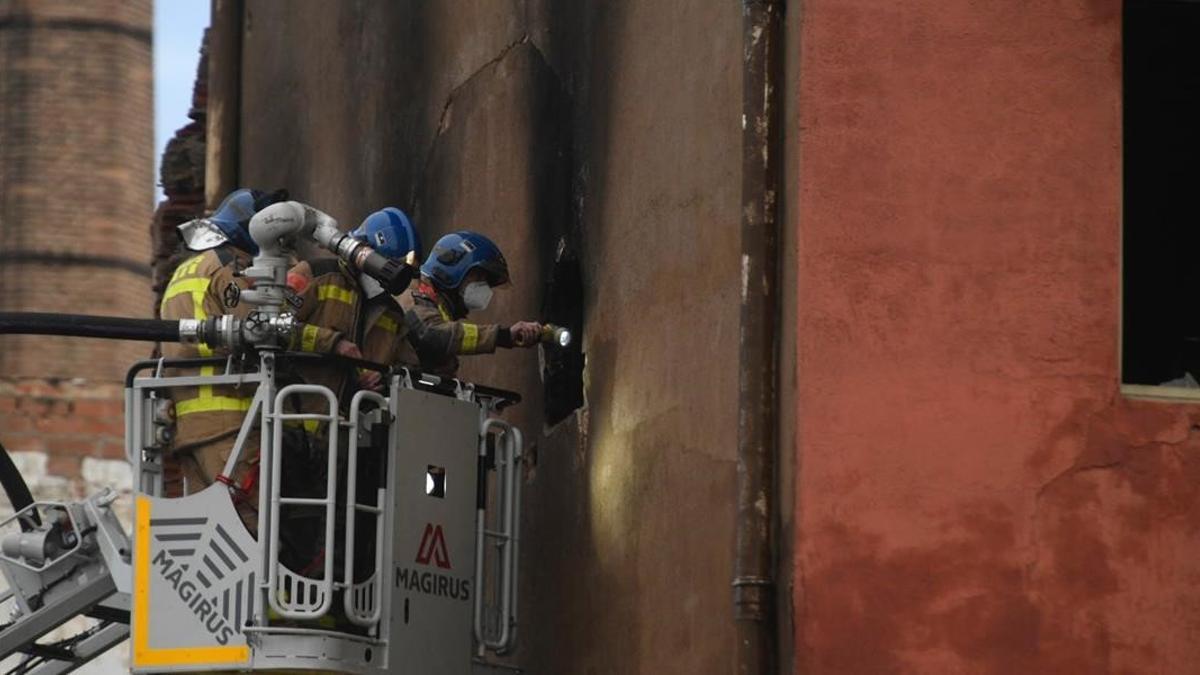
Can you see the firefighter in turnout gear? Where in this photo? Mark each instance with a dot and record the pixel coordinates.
(208, 417)
(459, 275)
(333, 295)
(385, 340)
(330, 297)
(385, 334)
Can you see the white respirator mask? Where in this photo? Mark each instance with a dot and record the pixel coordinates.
(477, 295)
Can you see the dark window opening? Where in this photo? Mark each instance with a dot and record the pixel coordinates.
(562, 369)
(1161, 241)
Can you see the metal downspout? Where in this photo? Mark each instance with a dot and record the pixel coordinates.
(754, 563)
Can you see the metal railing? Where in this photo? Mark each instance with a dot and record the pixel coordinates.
(363, 601)
(499, 634)
(290, 594)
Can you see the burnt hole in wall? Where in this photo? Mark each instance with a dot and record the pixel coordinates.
(1161, 240)
(562, 367)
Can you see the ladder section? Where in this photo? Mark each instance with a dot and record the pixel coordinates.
(496, 540)
(55, 559)
(291, 594)
(363, 601)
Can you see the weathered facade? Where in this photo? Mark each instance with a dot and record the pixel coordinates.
(76, 186)
(963, 486)
(76, 191)
(612, 130)
(974, 491)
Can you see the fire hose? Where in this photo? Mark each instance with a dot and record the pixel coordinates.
(82, 325)
(15, 487)
(74, 325)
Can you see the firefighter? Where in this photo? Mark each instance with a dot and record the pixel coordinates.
(385, 340)
(385, 333)
(459, 276)
(335, 296)
(209, 417)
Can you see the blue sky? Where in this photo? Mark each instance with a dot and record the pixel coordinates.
(178, 28)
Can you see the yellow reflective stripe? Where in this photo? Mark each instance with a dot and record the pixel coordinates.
(197, 287)
(308, 339)
(331, 292)
(470, 337)
(211, 403)
(206, 371)
(193, 264)
(444, 313)
(311, 426)
(187, 268)
(206, 390)
(181, 286)
(387, 323)
(181, 283)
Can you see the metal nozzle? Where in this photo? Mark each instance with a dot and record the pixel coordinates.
(190, 330)
(260, 330)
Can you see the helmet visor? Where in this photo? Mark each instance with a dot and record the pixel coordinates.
(201, 234)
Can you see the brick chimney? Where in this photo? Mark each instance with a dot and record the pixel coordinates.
(76, 192)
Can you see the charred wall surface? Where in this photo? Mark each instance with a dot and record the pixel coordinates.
(604, 133)
(974, 492)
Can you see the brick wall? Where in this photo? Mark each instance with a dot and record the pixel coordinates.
(76, 190)
(76, 172)
(182, 179)
(66, 422)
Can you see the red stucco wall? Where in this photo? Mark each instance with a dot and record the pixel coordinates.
(973, 493)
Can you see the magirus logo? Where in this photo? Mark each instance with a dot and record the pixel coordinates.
(433, 547)
(204, 579)
(433, 551)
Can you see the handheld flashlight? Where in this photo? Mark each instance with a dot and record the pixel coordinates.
(555, 335)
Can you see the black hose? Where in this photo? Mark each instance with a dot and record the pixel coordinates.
(14, 486)
(83, 325)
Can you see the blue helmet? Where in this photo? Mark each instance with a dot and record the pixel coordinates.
(456, 254)
(228, 223)
(390, 233)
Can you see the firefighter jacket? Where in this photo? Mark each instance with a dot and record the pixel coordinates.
(210, 284)
(387, 334)
(330, 297)
(441, 335)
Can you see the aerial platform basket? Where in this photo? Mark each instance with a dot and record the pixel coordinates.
(415, 521)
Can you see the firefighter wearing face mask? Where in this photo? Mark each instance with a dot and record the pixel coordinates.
(459, 276)
(209, 417)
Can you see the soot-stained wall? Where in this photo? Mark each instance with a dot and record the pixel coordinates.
(606, 130)
(974, 493)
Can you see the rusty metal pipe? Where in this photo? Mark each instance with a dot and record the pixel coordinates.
(754, 561)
